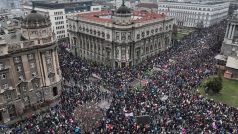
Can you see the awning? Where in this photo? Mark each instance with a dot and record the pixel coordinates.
(220, 57)
(232, 62)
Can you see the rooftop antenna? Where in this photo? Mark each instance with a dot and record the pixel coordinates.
(123, 3)
(33, 7)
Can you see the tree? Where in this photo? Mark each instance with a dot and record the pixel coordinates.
(200, 26)
(214, 84)
(88, 115)
(174, 33)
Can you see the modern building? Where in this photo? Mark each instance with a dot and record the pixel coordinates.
(233, 6)
(59, 12)
(30, 75)
(190, 14)
(149, 7)
(9, 4)
(121, 38)
(117, 3)
(150, 1)
(228, 58)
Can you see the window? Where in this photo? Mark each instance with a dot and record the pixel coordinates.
(24, 88)
(21, 78)
(26, 99)
(3, 76)
(48, 61)
(129, 36)
(147, 33)
(138, 36)
(49, 69)
(47, 53)
(30, 56)
(156, 30)
(117, 36)
(143, 34)
(52, 79)
(1, 66)
(123, 36)
(55, 91)
(19, 69)
(36, 85)
(32, 65)
(5, 86)
(38, 94)
(8, 95)
(34, 74)
(16, 59)
(34, 33)
(108, 36)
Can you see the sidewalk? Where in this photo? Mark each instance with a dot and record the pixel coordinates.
(26, 115)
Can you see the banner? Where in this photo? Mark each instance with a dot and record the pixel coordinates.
(128, 114)
(96, 76)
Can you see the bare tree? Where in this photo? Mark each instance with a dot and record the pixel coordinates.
(88, 115)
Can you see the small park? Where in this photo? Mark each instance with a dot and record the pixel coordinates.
(228, 94)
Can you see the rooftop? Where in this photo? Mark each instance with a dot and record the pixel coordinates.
(147, 5)
(232, 62)
(106, 16)
(199, 3)
(55, 5)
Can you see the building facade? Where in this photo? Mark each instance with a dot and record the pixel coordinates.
(10, 4)
(191, 14)
(233, 6)
(121, 38)
(30, 75)
(149, 7)
(228, 58)
(59, 12)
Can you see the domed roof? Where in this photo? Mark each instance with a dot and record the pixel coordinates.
(34, 17)
(123, 9)
(35, 20)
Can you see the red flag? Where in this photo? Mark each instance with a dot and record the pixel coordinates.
(109, 126)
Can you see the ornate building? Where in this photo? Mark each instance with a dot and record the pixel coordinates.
(228, 58)
(29, 69)
(195, 14)
(119, 38)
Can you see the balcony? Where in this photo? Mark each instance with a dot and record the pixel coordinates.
(3, 68)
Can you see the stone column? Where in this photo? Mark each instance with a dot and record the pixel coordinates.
(5, 115)
(54, 62)
(233, 31)
(227, 30)
(230, 30)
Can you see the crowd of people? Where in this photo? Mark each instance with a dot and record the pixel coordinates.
(168, 100)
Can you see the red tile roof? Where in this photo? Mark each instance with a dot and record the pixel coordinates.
(144, 16)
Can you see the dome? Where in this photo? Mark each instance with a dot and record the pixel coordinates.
(35, 20)
(123, 10)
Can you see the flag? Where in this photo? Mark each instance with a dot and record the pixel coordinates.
(214, 126)
(144, 82)
(128, 114)
(183, 131)
(109, 126)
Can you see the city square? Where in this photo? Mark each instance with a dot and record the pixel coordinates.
(117, 75)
